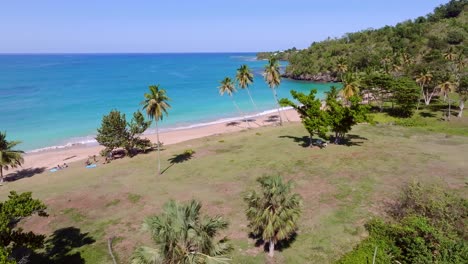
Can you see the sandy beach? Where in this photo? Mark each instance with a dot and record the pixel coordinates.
(48, 159)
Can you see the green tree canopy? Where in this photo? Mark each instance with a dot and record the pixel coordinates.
(182, 235)
(273, 212)
(9, 156)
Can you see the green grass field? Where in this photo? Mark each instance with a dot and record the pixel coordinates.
(342, 187)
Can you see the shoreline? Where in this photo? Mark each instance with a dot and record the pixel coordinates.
(49, 158)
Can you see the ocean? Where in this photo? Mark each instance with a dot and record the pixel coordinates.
(57, 100)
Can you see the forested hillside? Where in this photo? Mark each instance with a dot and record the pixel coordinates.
(432, 42)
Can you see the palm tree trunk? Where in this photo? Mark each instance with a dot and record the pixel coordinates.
(278, 106)
(461, 105)
(240, 112)
(1, 175)
(271, 252)
(159, 154)
(251, 99)
(419, 98)
(449, 114)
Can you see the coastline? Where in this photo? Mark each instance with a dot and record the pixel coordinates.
(48, 158)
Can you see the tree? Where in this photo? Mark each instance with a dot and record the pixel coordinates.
(423, 79)
(113, 131)
(273, 79)
(17, 207)
(244, 78)
(9, 157)
(462, 91)
(342, 118)
(156, 105)
(309, 109)
(183, 236)
(351, 84)
(341, 67)
(405, 92)
(227, 86)
(137, 126)
(379, 84)
(274, 212)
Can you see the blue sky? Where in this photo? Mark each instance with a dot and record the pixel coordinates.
(60, 26)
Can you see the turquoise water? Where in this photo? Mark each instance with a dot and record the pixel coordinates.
(55, 100)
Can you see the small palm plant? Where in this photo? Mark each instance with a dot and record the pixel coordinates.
(183, 236)
(9, 157)
(274, 212)
(156, 104)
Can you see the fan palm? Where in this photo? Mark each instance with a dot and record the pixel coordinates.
(274, 212)
(183, 236)
(350, 86)
(244, 78)
(273, 79)
(156, 105)
(9, 157)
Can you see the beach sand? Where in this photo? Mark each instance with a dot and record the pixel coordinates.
(48, 159)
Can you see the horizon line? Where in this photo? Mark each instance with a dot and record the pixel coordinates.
(117, 53)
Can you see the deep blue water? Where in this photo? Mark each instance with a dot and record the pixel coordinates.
(52, 100)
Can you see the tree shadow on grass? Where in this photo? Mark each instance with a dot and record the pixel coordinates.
(60, 247)
(272, 118)
(280, 246)
(426, 114)
(303, 141)
(353, 140)
(179, 158)
(234, 123)
(24, 173)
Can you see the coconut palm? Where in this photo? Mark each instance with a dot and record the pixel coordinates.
(341, 67)
(9, 157)
(244, 78)
(350, 86)
(156, 105)
(446, 88)
(183, 236)
(273, 79)
(274, 212)
(423, 79)
(450, 54)
(227, 86)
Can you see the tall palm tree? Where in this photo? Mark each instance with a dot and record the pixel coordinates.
(244, 78)
(423, 79)
(156, 105)
(350, 86)
(446, 88)
(227, 86)
(274, 212)
(341, 67)
(9, 157)
(273, 79)
(183, 236)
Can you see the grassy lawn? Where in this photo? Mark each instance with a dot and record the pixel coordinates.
(342, 187)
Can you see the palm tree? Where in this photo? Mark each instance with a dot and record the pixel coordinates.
(183, 236)
(156, 105)
(350, 86)
(422, 79)
(9, 157)
(450, 54)
(244, 78)
(274, 212)
(341, 67)
(227, 86)
(273, 79)
(446, 88)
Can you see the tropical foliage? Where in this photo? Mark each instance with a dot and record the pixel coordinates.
(273, 79)
(156, 105)
(9, 157)
(182, 235)
(115, 132)
(244, 78)
(273, 212)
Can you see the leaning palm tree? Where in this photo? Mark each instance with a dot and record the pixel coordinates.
(273, 79)
(183, 236)
(9, 157)
(274, 212)
(350, 86)
(244, 78)
(227, 86)
(156, 105)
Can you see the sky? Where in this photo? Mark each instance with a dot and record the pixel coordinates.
(113, 26)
